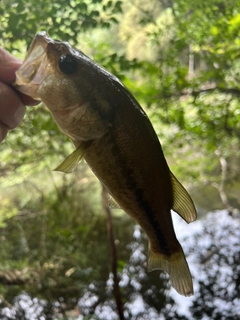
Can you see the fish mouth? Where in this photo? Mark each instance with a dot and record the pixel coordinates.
(35, 66)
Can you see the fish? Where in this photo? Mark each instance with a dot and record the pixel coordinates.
(113, 134)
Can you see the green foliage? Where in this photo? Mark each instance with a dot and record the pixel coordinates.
(196, 73)
(7, 211)
(62, 19)
(180, 59)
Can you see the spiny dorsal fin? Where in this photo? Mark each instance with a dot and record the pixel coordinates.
(71, 162)
(182, 202)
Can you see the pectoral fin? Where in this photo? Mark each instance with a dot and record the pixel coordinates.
(71, 162)
(182, 202)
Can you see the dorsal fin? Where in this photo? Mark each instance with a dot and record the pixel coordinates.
(182, 202)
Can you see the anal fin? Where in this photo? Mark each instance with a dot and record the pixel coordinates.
(182, 202)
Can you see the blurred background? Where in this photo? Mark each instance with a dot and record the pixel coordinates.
(180, 59)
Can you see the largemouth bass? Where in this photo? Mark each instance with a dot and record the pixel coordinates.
(113, 134)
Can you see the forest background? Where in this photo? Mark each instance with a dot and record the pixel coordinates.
(180, 59)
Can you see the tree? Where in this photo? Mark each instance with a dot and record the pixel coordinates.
(180, 59)
(192, 88)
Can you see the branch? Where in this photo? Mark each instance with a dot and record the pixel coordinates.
(116, 289)
(221, 186)
(196, 93)
(5, 301)
(233, 91)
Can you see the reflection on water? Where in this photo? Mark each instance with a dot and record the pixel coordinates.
(143, 293)
(213, 251)
(25, 307)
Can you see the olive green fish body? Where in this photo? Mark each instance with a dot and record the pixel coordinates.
(129, 161)
(114, 135)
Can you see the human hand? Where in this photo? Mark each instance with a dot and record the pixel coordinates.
(12, 103)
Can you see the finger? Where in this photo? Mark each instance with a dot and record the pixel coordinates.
(27, 101)
(11, 107)
(8, 66)
(3, 131)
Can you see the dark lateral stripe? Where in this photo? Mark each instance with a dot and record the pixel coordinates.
(154, 223)
(139, 198)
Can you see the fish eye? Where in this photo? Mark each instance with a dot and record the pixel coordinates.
(67, 64)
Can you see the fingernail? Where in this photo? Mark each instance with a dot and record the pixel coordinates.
(3, 132)
(19, 114)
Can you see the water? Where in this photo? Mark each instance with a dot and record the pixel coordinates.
(213, 252)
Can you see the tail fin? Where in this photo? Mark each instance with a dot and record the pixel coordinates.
(176, 266)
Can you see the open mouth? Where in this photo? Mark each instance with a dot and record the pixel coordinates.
(34, 68)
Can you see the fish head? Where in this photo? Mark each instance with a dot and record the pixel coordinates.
(50, 69)
(64, 79)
